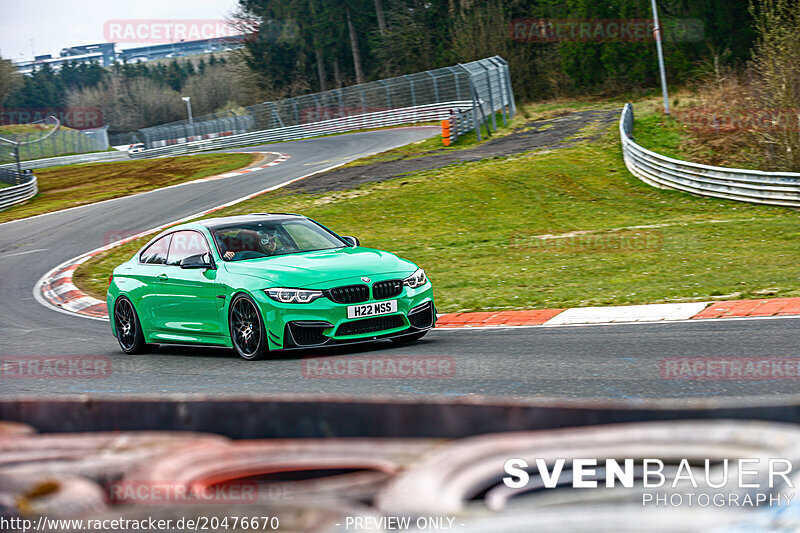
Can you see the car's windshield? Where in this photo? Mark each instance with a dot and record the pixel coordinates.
(252, 240)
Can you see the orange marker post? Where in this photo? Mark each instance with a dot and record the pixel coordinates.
(446, 132)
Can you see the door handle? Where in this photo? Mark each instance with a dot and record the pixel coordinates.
(163, 277)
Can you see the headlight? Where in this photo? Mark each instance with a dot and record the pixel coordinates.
(293, 296)
(417, 279)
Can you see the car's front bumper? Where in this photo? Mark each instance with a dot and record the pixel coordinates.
(324, 322)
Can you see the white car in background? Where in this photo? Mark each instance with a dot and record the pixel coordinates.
(135, 148)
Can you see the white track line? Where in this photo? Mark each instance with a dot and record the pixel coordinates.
(200, 180)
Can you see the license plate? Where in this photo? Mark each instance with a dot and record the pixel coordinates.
(371, 309)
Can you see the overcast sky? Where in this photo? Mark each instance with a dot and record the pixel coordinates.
(47, 26)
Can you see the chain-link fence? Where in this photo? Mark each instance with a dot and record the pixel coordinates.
(32, 145)
(483, 86)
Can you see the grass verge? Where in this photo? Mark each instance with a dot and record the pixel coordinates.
(563, 228)
(73, 185)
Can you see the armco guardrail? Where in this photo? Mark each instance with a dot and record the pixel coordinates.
(23, 187)
(461, 122)
(393, 117)
(94, 157)
(771, 188)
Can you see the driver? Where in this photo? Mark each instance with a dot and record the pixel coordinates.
(268, 241)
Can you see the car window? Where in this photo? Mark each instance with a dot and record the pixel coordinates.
(156, 253)
(307, 237)
(251, 240)
(185, 244)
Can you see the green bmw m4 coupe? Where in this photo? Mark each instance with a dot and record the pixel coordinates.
(263, 282)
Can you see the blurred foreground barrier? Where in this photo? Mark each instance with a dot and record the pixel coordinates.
(317, 469)
(291, 416)
(47, 495)
(326, 485)
(772, 188)
(97, 456)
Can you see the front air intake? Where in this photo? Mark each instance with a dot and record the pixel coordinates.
(351, 294)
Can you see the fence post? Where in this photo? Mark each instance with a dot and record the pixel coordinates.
(435, 85)
(296, 112)
(503, 95)
(491, 97)
(388, 95)
(509, 89)
(475, 104)
(458, 85)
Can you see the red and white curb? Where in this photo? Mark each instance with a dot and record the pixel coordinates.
(281, 157)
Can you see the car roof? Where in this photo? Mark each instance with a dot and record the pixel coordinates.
(214, 223)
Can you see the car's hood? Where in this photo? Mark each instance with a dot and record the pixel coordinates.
(317, 270)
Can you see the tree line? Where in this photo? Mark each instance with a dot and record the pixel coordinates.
(130, 95)
(297, 47)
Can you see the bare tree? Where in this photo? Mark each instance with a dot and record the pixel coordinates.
(9, 78)
(354, 47)
(775, 62)
(381, 17)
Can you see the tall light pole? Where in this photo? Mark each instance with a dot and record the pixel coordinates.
(188, 100)
(660, 52)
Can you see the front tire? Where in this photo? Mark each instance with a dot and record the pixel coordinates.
(248, 334)
(128, 327)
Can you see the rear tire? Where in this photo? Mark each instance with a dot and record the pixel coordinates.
(248, 334)
(128, 327)
(405, 339)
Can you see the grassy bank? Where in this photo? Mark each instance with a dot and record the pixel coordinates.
(562, 228)
(73, 185)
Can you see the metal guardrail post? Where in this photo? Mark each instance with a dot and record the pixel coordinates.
(435, 85)
(476, 104)
(501, 84)
(491, 96)
(509, 88)
(455, 82)
(388, 96)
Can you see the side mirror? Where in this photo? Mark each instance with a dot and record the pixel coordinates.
(203, 261)
(352, 241)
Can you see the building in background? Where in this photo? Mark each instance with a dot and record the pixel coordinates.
(106, 54)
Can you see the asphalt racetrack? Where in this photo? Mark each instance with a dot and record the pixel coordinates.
(599, 361)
